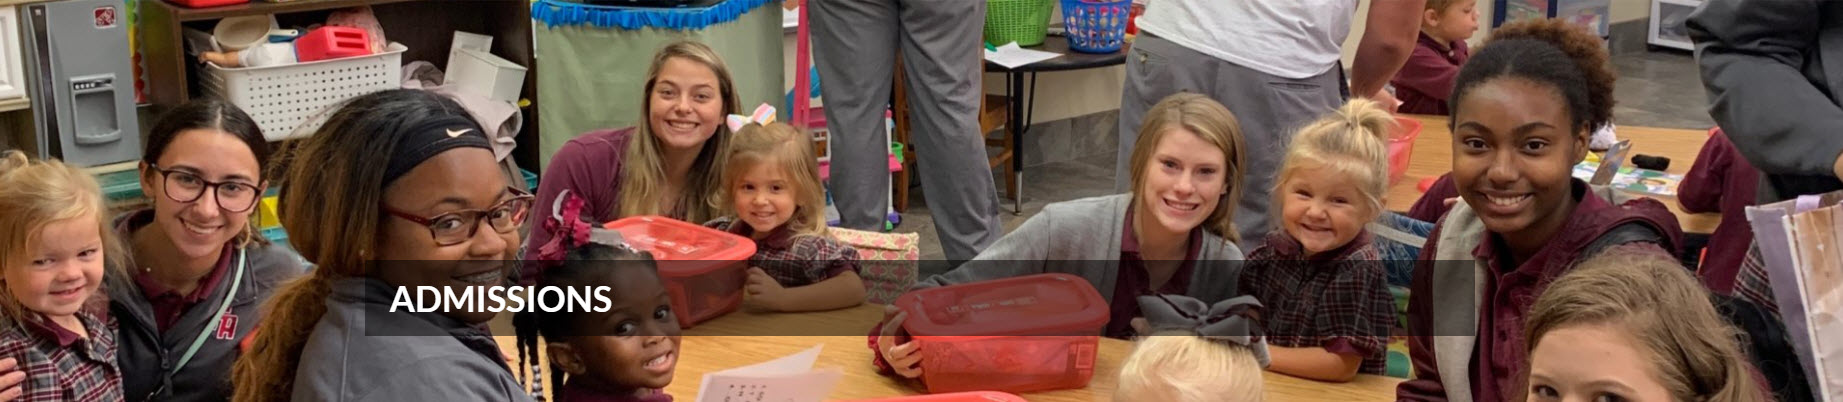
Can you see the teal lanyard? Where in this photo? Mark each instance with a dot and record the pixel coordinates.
(216, 319)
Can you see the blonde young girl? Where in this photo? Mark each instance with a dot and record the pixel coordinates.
(1197, 352)
(1649, 328)
(1319, 274)
(53, 244)
(772, 185)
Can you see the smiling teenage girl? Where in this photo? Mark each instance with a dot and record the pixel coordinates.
(1523, 108)
(1170, 235)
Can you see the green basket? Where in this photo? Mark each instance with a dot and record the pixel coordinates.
(1023, 21)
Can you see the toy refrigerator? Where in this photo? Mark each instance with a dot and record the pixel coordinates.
(82, 81)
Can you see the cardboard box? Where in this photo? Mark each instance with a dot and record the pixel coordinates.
(481, 73)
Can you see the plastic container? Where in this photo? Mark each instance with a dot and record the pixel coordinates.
(703, 268)
(1401, 147)
(1096, 26)
(332, 42)
(1023, 334)
(284, 99)
(238, 33)
(1023, 21)
(205, 3)
(979, 396)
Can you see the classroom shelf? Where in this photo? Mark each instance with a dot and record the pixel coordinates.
(259, 7)
(426, 27)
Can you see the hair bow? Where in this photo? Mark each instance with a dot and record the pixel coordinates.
(1234, 320)
(571, 231)
(763, 115)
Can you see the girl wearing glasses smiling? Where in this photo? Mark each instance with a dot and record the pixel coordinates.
(198, 273)
(398, 189)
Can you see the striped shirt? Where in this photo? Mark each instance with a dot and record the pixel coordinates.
(61, 365)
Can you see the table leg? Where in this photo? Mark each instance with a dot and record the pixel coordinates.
(1015, 81)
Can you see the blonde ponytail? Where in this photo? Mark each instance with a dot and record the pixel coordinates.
(1352, 141)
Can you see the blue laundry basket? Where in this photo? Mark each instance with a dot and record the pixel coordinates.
(1096, 26)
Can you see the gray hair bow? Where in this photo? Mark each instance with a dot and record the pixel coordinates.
(1233, 321)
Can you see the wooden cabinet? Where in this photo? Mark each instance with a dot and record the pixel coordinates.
(424, 26)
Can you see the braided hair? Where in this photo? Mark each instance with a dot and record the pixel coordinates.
(585, 263)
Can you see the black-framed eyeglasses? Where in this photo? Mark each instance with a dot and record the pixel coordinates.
(456, 227)
(187, 187)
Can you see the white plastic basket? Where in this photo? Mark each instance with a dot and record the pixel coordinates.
(285, 100)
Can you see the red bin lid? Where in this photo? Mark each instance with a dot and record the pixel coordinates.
(975, 396)
(1045, 304)
(675, 240)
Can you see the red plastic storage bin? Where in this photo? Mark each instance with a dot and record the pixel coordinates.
(703, 268)
(979, 396)
(332, 42)
(1023, 334)
(205, 3)
(1401, 147)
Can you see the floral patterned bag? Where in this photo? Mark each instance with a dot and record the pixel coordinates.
(888, 262)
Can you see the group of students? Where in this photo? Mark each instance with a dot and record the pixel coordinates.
(400, 188)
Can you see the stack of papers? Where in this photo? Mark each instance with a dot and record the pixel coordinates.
(787, 379)
(1011, 55)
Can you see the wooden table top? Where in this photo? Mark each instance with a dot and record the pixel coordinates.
(745, 338)
(1433, 156)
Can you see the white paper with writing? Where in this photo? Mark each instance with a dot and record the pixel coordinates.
(787, 379)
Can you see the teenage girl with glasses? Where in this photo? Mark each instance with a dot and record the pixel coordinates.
(402, 191)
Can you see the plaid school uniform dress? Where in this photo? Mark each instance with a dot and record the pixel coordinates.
(796, 261)
(1340, 303)
(60, 365)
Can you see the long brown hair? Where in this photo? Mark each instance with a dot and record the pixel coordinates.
(643, 177)
(780, 146)
(330, 205)
(1212, 123)
(1695, 353)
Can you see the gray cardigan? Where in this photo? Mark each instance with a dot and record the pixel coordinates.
(361, 352)
(146, 355)
(1082, 237)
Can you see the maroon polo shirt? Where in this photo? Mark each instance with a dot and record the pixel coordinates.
(169, 304)
(1135, 281)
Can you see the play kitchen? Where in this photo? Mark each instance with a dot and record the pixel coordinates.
(80, 82)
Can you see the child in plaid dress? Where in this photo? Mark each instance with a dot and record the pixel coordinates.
(52, 259)
(1320, 278)
(772, 185)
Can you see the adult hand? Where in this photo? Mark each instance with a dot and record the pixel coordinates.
(1141, 327)
(1450, 201)
(1387, 100)
(9, 382)
(901, 357)
(763, 291)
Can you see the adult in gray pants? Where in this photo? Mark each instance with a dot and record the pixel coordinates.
(855, 43)
(1275, 64)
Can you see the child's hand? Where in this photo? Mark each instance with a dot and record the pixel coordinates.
(9, 383)
(764, 292)
(901, 358)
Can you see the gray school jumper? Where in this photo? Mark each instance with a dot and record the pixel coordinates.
(444, 361)
(1082, 237)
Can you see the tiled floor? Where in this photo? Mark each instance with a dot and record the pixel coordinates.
(1655, 89)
